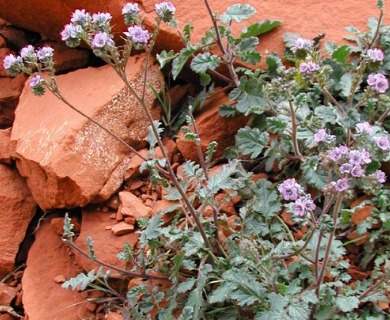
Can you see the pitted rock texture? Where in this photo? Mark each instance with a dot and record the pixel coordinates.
(307, 17)
(17, 209)
(68, 160)
(43, 297)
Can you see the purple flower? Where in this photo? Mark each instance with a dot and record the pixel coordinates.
(375, 55)
(323, 136)
(100, 40)
(80, 17)
(382, 142)
(11, 61)
(290, 190)
(336, 153)
(308, 67)
(71, 31)
(357, 171)
(378, 82)
(380, 176)
(303, 44)
(101, 19)
(341, 185)
(165, 10)
(363, 127)
(346, 168)
(35, 81)
(302, 205)
(45, 53)
(27, 52)
(137, 35)
(359, 157)
(130, 8)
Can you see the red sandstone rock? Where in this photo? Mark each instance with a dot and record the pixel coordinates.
(305, 17)
(212, 127)
(5, 154)
(122, 228)
(7, 294)
(106, 244)
(43, 298)
(67, 160)
(17, 209)
(132, 206)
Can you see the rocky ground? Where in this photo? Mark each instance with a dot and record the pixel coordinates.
(52, 160)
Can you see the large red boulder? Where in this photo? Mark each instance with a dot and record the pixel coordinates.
(67, 160)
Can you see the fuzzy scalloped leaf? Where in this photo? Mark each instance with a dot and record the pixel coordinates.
(82, 280)
(227, 111)
(165, 57)
(205, 61)
(251, 141)
(341, 54)
(266, 202)
(260, 27)
(313, 174)
(347, 304)
(237, 12)
(151, 137)
(186, 285)
(248, 43)
(181, 59)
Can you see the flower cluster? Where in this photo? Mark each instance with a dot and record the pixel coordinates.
(131, 13)
(292, 191)
(303, 44)
(375, 55)
(166, 12)
(308, 67)
(378, 82)
(138, 36)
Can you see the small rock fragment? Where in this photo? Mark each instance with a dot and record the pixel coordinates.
(122, 228)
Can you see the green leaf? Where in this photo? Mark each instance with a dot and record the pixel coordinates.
(259, 28)
(250, 57)
(82, 280)
(249, 43)
(237, 12)
(266, 201)
(181, 59)
(151, 138)
(345, 84)
(251, 141)
(347, 304)
(313, 174)
(205, 61)
(276, 125)
(185, 286)
(326, 114)
(68, 227)
(210, 151)
(342, 54)
(187, 32)
(165, 57)
(205, 79)
(273, 62)
(227, 111)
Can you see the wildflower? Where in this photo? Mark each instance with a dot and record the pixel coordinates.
(35, 81)
(137, 35)
(80, 17)
(71, 31)
(375, 55)
(45, 53)
(341, 185)
(380, 176)
(378, 82)
(130, 11)
(302, 205)
(323, 136)
(11, 62)
(303, 44)
(290, 190)
(308, 67)
(357, 171)
(346, 168)
(100, 40)
(101, 19)
(382, 142)
(165, 11)
(336, 153)
(359, 157)
(363, 127)
(27, 52)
